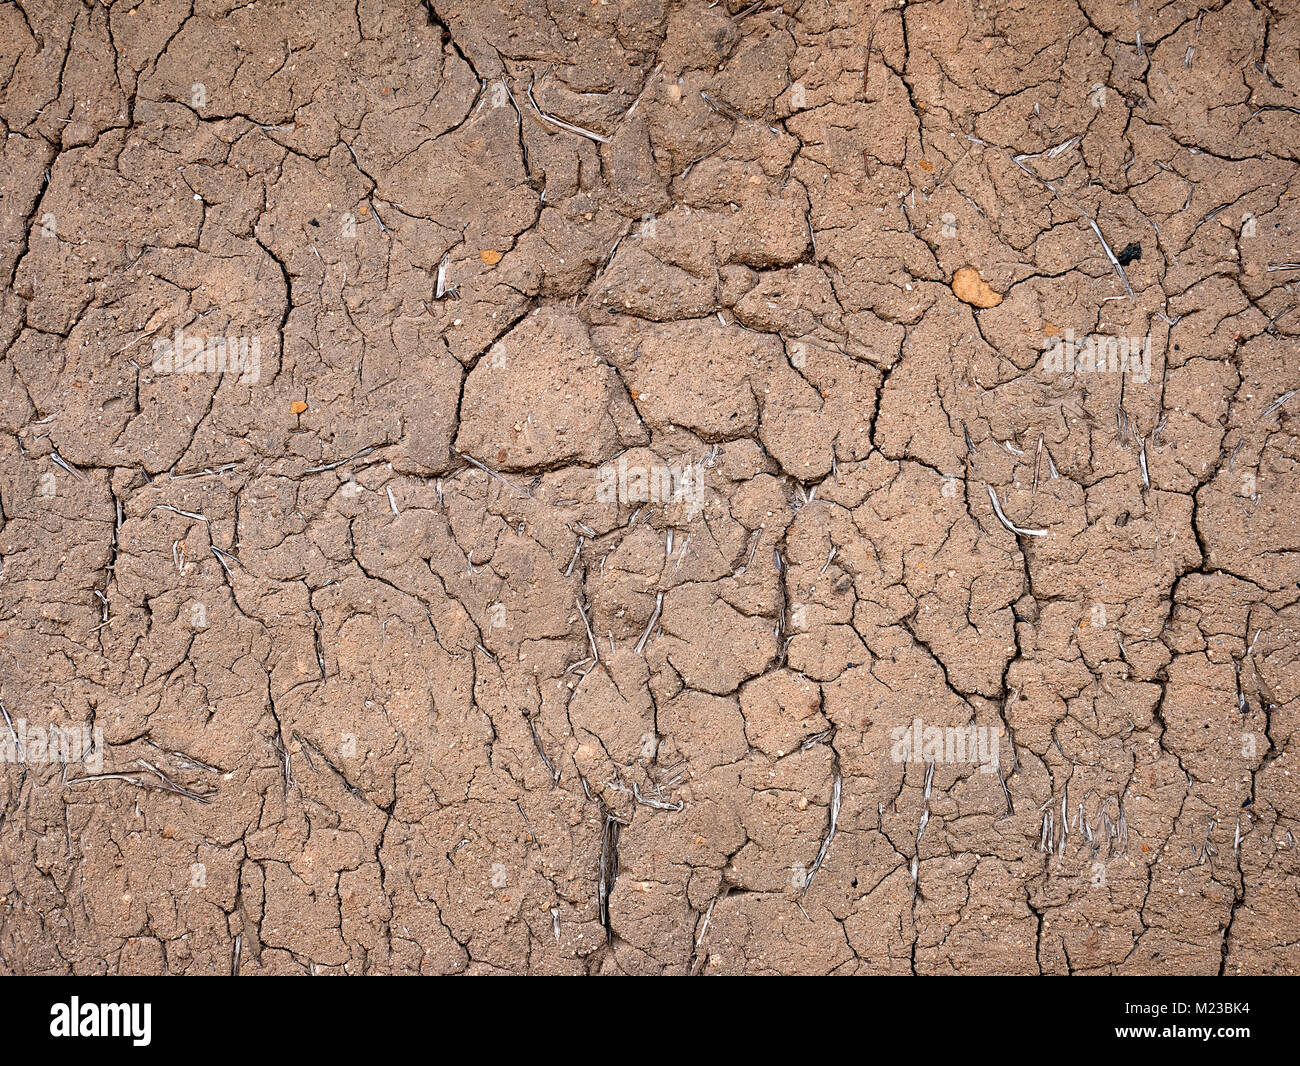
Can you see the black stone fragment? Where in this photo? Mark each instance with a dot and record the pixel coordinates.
(1130, 252)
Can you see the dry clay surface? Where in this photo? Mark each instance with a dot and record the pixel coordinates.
(391, 681)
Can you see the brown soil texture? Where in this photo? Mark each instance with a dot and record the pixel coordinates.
(651, 421)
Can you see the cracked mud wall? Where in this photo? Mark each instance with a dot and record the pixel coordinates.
(552, 580)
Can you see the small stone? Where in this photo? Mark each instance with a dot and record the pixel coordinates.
(969, 287)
